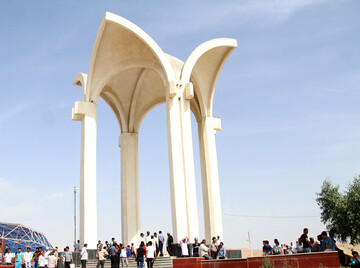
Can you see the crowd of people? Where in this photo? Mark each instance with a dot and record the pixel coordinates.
(38, 259)
(151, 246)
(304, 244)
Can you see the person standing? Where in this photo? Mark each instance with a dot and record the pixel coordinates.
(112, 253)
(52, 260)
(213, 248)
(161, 243)
(7, 257)
(329, 244)
(19, 259)
(184, 247)
(147, 238)
(101, 256)
(118, 252)
(196, 247)
(267, 249)
(77, 246)
(67, 257)
(355, 261)
(204, 251)
(132, 250)
(150, 255)
(156, 243)
(27, 258)
(169, 243)
(123, 256)
(35, 257)
(46, 255)
(139, 256)
(222, 251)
(41, 261)
(84, 256)
(218, 240)
(56, 253)
(305, 241)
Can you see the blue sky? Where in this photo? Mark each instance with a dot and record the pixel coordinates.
(288, 99)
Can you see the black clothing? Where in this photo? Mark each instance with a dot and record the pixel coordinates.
(304, 242)
(170, 241)
(140, 253)
(196, 247)
(150, 262)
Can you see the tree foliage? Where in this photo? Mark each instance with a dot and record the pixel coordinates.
(340, 212)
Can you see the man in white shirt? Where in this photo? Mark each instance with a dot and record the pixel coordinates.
(41, 260)
(84, 256)
(184, 247)
(156, 242)
(46, 255)
(27, 258)
(204, 251)
(123, 256)
(7, 257)
(150, 255)
(101, 256)
(147, 238)
(52, 260)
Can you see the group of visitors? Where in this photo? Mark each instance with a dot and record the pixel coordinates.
(37, 259)
(145, 254)
(151, 246)
(215, 249)
(303, 245)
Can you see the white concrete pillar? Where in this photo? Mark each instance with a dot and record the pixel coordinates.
(176, 162)
(130, 201)
(86, 112)
(210, 177)
(188, 156)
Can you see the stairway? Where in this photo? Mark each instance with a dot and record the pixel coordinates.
(163, 262)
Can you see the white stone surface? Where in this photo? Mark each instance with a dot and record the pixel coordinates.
(130, 199)
(86, 112)
(133, 75)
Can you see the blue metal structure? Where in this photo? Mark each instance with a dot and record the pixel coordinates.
(19, 236)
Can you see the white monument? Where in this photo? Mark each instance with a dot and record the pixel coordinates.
(133, 75)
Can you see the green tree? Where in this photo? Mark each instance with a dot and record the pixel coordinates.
(340, 212)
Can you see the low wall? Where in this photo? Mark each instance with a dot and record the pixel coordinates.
(308, 260)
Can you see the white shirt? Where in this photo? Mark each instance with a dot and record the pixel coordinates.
(203, 250)
(155, 241)
(84, 254)
(123, 253)
(52, 261)
(150, 252)
(41, 261)
(47, 257)
(28, 256)
(8, 257)
(184, 248)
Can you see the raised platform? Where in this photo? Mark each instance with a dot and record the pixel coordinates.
(306, 260)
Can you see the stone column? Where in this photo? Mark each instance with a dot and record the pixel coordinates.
(130, 201)
(210, 177)
(86, 113)
(176, 162)
(188, 157)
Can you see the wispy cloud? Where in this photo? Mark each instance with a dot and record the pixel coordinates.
(10, 112)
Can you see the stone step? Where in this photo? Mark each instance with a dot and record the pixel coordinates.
(160, 262)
